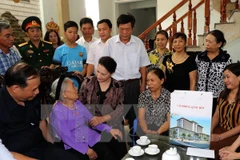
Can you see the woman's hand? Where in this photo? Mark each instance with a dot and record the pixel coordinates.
(77, 73)
(224, 151)
(229, 155)
(115, 133)
(151, 132)
(91, 154)
(215, 137)
(95, 121)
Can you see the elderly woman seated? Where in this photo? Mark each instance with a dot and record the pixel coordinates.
(70, 121)
(154, 105)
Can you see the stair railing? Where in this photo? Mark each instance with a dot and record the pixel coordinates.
(191, 14)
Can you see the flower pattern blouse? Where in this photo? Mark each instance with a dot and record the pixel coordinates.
(210, 72)
(90, 94)
(156, 59)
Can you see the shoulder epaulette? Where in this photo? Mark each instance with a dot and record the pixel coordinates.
(22, 44)
(47, 42)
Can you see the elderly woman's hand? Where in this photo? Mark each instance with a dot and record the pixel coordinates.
(96, 121)
(92, 154)
(115, 133)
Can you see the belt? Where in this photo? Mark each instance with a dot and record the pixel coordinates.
(129, 80)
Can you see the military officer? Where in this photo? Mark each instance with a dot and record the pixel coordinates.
(35, 52)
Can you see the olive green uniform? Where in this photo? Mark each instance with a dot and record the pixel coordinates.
(37, 57)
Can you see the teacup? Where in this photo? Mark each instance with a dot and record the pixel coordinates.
(143, 139)
(136, 149)
(153, 148)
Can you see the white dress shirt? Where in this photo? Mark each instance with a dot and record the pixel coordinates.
(129, 57)
(95, 53)
(4, 153)
(81, 41)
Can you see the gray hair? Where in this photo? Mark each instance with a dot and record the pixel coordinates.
(63, 88)
(4, 24)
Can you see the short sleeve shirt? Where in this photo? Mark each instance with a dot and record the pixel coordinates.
(210, 72)
(19, 125)
(155, 110)
(37, 57)
(81, 41)
(177, 75)
(7, 60)
(94, 53)
(73, 58)
(129, 57)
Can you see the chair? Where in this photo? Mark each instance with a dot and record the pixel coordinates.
(135, 124)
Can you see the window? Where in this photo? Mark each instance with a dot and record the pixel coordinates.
(92, 10)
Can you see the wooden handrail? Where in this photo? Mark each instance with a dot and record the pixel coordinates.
(185, 15)
(154, 25)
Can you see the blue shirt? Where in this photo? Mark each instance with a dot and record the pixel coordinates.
(73, 58)
(7, 60)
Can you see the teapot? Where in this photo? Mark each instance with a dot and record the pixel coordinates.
(171, 154)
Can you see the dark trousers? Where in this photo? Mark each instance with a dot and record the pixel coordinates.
(48, 151)
(117, 146)
(100, 148)
(131, 95)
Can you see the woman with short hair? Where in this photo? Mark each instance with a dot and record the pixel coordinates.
(71, 122)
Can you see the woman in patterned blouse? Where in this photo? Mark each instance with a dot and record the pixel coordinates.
(104, 97)
(210, 65)
(226, 121)
(154, 105)
(157, 55)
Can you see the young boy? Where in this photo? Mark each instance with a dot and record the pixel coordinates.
(71, 54)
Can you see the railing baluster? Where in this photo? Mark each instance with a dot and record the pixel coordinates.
(194, 28)
(190, 23)
(170, 39)
(207, 16)
(236, 4)
(146, 42)
(182, 27)
(223, 11)
(160, 27)
(174, 24)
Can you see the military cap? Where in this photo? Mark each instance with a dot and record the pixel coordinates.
(31, 21)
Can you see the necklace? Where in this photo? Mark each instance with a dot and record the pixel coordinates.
(179, 59)
(74, 108)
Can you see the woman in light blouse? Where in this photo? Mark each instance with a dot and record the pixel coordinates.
(70, 120)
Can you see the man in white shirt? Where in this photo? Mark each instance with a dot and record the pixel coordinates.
(132, 59)
(87, 30)
(104, 30)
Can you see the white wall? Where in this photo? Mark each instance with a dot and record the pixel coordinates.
(48, 9)
(233, 49)
(142, 23)
(20, 10)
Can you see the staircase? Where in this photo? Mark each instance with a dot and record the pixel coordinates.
(228, 22)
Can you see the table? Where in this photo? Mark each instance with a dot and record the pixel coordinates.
(163, 145)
